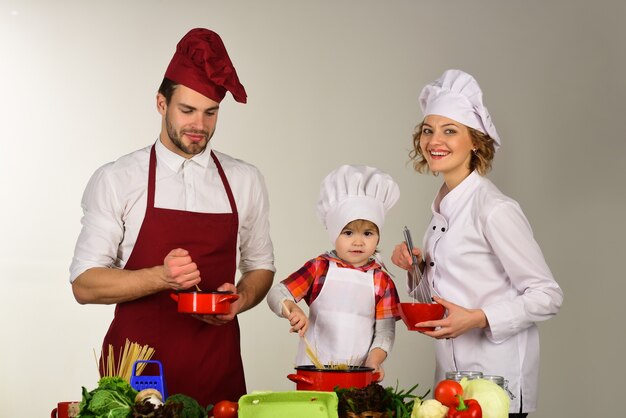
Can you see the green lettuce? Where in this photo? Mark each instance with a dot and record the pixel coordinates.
(113, 398)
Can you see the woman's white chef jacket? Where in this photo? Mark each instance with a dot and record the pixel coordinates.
(480, 253)
(114, 205)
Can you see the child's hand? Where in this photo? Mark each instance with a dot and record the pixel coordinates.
(297, 318)
(375, 360)
(378, 368)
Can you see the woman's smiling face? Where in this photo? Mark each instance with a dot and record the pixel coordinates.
(447, 147)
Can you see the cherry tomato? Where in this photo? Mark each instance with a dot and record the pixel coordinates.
(225, 409)
(446, 391)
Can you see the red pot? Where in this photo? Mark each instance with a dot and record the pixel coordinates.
(213, 303)
(311, 378)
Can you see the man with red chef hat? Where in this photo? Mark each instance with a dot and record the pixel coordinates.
(174, 215)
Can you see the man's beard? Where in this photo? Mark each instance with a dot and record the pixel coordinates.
(191, 149)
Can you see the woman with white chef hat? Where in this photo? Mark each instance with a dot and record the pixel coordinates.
(479, 254)
(352, 300)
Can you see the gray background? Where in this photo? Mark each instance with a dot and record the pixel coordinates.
(329, 82)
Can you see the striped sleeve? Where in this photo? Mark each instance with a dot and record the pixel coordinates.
(307, 282)
(387, 298)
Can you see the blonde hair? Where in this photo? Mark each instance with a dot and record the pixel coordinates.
(482, 156)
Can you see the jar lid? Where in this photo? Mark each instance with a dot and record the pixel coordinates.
(468, 374)
(498, 380)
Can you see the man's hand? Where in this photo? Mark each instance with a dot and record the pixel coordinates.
(251, 288)
(222, 319)
(180, 272)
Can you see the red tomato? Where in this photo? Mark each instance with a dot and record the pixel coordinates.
(225, 409)
(446, 391)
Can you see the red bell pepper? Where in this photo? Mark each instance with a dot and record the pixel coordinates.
(468, 408)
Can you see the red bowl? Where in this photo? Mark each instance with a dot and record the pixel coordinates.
(412, 313)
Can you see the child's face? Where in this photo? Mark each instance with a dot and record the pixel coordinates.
(356, 244)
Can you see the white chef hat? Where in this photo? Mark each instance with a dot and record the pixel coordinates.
(353, 192)
(457, 95)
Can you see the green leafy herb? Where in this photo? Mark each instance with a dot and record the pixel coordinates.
(402, 401)
(113, 398)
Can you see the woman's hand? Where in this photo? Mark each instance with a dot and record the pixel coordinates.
(402, 258)
(458, 321)
(297, 318)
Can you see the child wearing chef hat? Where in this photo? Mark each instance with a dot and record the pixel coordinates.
(352, 300)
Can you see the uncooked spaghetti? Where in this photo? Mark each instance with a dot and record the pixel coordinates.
(123, 367)
(312, 354)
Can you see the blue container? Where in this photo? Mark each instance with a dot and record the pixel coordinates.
(157, 382)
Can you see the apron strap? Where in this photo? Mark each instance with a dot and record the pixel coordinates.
(151, 179)
(231, 198)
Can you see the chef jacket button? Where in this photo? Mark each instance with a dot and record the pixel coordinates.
(432, 263)
(434, 227)
(443, 229)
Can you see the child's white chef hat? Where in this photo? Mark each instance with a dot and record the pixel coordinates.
(457, 95)
(353, 192)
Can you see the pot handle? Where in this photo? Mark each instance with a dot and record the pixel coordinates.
(174, 296)
(229, 297)
(298, 378)
(375, 376)
(54, 413)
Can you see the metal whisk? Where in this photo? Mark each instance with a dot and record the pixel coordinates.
(415, 275)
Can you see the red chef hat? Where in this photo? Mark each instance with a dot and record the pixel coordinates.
(202, 64)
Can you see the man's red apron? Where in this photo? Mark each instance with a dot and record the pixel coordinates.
(199, 360)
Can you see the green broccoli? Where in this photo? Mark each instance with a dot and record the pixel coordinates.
(191, 407)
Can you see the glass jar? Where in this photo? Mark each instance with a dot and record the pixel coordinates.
(458, 375)
(500, 381)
